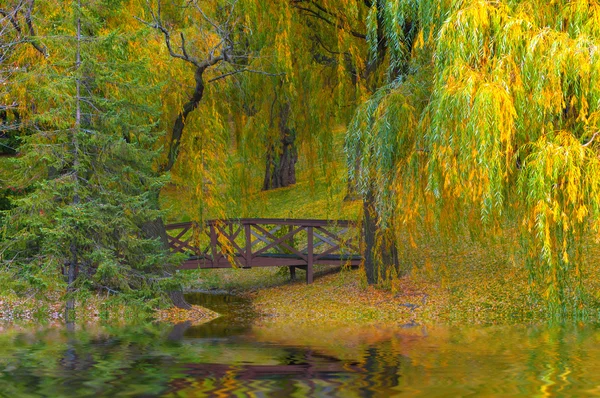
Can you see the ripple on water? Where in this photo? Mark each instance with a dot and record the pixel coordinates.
(228, 357)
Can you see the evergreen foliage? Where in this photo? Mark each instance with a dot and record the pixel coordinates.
(88, 160)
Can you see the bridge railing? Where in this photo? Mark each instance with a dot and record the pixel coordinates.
(254, 242)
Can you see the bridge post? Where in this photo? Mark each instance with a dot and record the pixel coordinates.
(309, 262)
(248, 234)
(213, 244)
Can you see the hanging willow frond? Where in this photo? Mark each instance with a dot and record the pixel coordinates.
(507, 125)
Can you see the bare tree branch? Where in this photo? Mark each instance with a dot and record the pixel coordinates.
(207, 19)
(158, 25)
(339, 23)
(234, 72)
(39, 47)
(591, 139)
(12, 15)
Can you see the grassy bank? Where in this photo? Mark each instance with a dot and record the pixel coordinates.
(47, 308)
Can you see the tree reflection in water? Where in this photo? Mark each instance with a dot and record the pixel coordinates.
(221, 360)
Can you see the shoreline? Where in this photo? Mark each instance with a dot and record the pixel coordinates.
(472, 291)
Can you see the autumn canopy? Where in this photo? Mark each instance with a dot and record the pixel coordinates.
(478, 118)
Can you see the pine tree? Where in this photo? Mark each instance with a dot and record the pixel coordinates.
(17, 35)
(88, 163)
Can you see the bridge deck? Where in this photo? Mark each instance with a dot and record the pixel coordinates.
(253, 242)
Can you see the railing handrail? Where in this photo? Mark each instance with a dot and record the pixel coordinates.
(269, 221)
(257, 236)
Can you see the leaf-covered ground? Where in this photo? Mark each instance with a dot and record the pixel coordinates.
(472, 284)
(335, 299)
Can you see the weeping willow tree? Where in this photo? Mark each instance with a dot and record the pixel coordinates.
(495, 114)
(313, 90)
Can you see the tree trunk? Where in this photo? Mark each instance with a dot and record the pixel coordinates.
(381, 251)
(179, 125)
(281, 165)
(178, 299)
(71, 275)
(156, 228)
(72, 269)
(389, 255)
(370, 232)
(351, 192)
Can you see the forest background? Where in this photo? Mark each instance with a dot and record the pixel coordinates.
(461, 122)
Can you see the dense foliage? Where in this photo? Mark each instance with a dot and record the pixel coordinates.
(495, 118)
(480, 114)
(86, 159)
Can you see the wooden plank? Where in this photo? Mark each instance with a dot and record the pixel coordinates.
(179, 246)
(327, 252)
(333, 249)
(230, 239)
(260, 238)
(324, 240)
(278, 221)
(224, 262)
(347, 241)
(233, 235)
(266, 262)
(170, 227)
(183, 232)
(295, 222)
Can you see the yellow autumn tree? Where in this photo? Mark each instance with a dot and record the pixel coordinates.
(276, 82)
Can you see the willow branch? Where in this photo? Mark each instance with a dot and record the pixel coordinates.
(591, 139)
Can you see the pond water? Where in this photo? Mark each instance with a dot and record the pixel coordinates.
(232, 357)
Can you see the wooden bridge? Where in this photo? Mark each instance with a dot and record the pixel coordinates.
(255, 242)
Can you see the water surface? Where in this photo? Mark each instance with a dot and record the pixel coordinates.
(230, 356)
